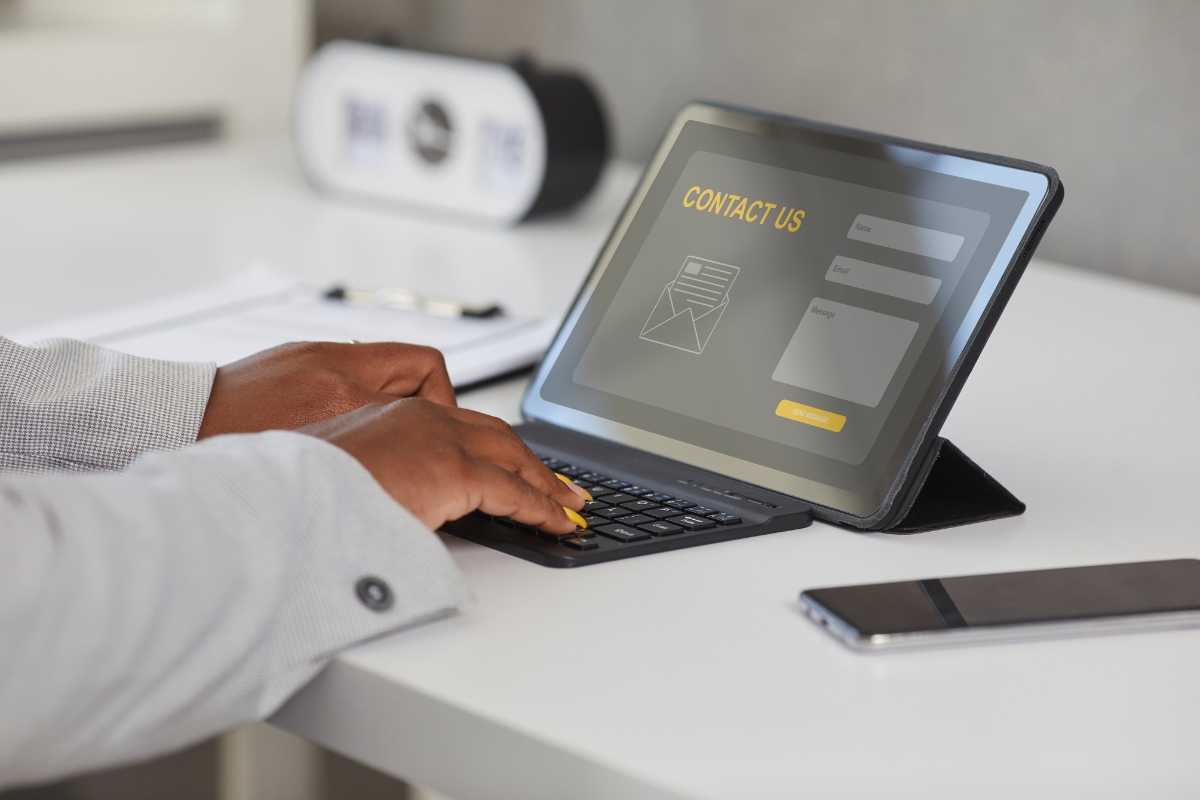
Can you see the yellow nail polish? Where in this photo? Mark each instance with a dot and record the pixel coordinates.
(574, 517)
(574, 486)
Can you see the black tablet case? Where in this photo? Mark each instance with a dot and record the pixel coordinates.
(952, 490)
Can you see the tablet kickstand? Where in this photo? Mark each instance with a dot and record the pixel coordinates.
(955, 491)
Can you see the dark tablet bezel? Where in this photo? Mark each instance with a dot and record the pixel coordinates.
(832, 503)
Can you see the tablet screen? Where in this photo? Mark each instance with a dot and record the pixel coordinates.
(783, 303)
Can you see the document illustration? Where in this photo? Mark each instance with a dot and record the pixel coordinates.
(689, 308)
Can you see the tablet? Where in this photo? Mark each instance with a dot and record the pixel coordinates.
(794, 305)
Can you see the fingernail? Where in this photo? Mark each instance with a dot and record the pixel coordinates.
(574, 487)
(574, 517)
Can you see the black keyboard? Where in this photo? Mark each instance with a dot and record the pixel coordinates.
(623, 519)
(625, 512)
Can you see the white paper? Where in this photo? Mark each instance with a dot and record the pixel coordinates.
(260, 308)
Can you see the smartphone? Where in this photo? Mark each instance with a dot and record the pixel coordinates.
(1107, 598)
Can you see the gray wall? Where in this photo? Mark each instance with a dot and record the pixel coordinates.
(1107, 92)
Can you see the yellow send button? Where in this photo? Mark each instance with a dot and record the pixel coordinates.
(810, 416)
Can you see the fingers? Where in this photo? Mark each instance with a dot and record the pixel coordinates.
(496, 442)
(503, 494)
(401, 370)
(574, 487)
(442, 463)
(493, 442)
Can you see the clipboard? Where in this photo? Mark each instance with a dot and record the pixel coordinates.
(261, 308)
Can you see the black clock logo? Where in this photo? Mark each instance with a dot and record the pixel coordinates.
(430, 132)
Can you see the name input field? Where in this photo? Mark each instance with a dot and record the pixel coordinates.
(883, 280)
(909, 238)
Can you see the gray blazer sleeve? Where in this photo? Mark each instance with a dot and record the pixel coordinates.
(66, 406)
(192, 593)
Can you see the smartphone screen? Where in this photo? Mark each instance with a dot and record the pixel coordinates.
(1013, 598)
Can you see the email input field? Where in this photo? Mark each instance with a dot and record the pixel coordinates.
(909, 238)
(883, 280)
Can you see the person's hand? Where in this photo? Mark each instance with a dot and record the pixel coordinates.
(442, 463)
(296, 384)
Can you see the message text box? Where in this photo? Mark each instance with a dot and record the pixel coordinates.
(845, 352)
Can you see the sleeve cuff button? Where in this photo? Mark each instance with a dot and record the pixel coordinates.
(374, 593)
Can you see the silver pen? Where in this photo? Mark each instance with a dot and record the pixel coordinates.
(392, 297)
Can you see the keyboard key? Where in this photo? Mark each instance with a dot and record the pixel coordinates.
(553, 463)
(612, 512)
(556, 537)
(634, 519)
(662, 513)
(693, 523)
(678, 504)
(581, 483)
(658, 497)
(591, 506)
(600, 491)
(593, 519)
(577, 543)
(641, 506)
(725, 519)
(507, 522)
(617, 498)
(571, 472)
(594, 477)
(661, 528)
(614, 483)
(622, 533)
(701, 511)
(637, 491)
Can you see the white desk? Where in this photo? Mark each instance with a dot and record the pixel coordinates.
(692, 674)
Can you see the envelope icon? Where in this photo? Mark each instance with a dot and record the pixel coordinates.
(682, 329)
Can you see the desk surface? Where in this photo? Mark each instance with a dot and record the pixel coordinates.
(692, 674)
